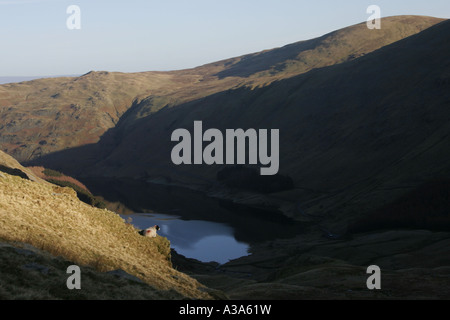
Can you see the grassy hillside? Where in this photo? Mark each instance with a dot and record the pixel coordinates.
(52, 218)
(28, 273)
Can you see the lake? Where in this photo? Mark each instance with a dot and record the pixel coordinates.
(198, 226)
(202, 240)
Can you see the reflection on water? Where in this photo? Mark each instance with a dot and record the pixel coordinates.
(203, 228)
(202, 240)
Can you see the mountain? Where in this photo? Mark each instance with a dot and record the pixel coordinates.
(43, 116)
(362, 117)
(364, 137)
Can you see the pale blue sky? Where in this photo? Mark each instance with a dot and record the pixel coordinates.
(144, 35)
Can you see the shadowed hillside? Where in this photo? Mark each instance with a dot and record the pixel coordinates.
(353, 136)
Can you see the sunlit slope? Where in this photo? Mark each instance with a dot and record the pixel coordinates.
(333, 48)
(53, 219)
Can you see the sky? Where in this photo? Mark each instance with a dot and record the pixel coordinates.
(153, 35)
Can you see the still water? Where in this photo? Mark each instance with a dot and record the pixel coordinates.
(197, 226)
(202, 240)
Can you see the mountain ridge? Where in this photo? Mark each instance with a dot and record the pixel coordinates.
(90, 105)
(359, 123)
(317, 121)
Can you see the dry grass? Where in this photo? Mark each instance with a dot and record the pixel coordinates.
(51, 218)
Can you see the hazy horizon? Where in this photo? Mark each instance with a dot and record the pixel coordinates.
(138, 36)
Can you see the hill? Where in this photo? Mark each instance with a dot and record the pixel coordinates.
(44, 116)
(354, 135)
(51, 218)
(364, 133)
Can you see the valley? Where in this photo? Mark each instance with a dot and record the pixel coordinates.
(364, 139)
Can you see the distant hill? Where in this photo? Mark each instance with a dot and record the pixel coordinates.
(4, 80)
